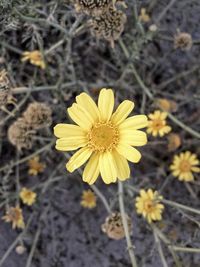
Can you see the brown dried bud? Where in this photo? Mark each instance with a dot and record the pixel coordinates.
(38, 115)
(4, 88)
(93, 7)
(113, 226)
(174, 141)
(19, 134)
(109, 25)
(183, 40)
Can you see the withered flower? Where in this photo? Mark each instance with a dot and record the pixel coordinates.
(38, 115)
(113, 226)
(183, 40)
(109, 25)
(20, 135)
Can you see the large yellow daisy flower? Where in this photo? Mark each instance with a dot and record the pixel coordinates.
(104, 137)
(184, 165)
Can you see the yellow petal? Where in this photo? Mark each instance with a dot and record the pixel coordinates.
(130, 153)
(122, 112)
(195, 169)
(106, 103)
(107, 168)
(88, 104)
(78, 159)
(123, 170)
(150, 193)
(66, 130)
(71, 143)
(91, 171)
(133, 138)
(80, 116)
(134, 122)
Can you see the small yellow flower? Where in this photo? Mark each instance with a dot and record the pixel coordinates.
(105, 139)
(27, 196)
(157, 124)
(35, 166)
(144, 17)
(148, 204)
(15, 216)
(184, 165)
(88, 199)
(35, 58)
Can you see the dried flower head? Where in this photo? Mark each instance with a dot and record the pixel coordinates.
(103, 138)
(148, 204)
(20, 135)
(38, 115)
(15, 216)
(113, 226)
(35, 57)
(184, 165)
(4, 88)
(109, 25)
(183, 40)
(174, 141)
(144, 17)
(166, 104)
(27, 196)
(93, 7)
(88, 199)
(35, 166)
(157, 124)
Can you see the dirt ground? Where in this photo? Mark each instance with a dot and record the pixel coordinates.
(60, 232)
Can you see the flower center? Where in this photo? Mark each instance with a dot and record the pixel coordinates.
(149, 205)
(158, 124)
(103, 136)
(185, 166)
(36, 56)
(14, 215)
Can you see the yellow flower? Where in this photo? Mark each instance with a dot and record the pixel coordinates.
(15, 216)
(103, 136)
(88, 199)
(27, 196)
(148, 204)
(144, 17)
(35, 166)
(157, 124)
(35, 58)
(184, 165)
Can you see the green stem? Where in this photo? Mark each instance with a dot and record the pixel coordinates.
(181, 206)
(125, 225)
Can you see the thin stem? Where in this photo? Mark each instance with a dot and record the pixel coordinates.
(35, 241)
(177, 205)
(185, 249)
(18, 239)
(150, 95)
(162, 14)
(183, 126)
(101, 196)
(168, 243)
(159, 247)
(39, 151)
(17, 179)
(125, 225)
